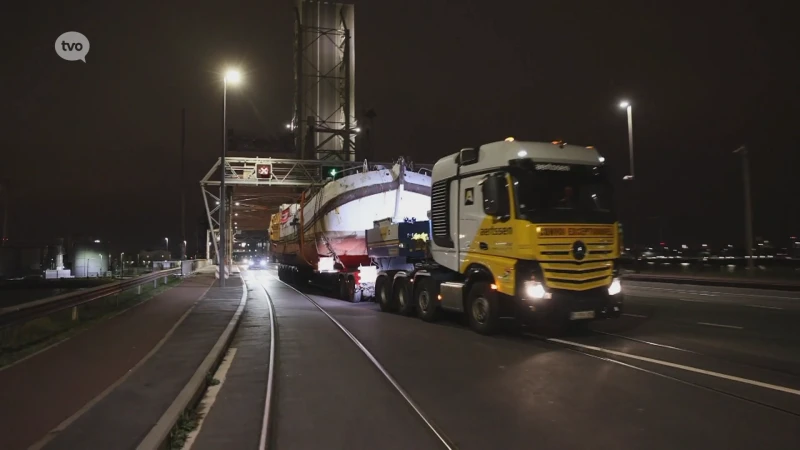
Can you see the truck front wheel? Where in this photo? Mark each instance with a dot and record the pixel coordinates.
(483, 308)
(426, 297)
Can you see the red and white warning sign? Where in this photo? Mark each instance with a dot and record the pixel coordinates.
(263, 170)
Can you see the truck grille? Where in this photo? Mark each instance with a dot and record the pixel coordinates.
(562, 271)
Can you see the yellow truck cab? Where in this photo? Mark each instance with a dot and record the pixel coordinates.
(516, 228)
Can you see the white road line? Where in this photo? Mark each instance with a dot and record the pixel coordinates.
(210, 397)
(765, 307)
(682, 367)
(720, 325)
(692, 300)
(634, 315)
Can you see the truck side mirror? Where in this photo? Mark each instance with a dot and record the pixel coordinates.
(495, 196)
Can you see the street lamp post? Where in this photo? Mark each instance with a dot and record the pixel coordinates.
(627, 106)
(748, 206)
(231, 76)
(167, 241)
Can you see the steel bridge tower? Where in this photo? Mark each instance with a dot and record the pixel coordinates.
(324, 120)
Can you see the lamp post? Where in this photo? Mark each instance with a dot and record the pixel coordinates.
(748, 206)
(231, 76)
(627, 106)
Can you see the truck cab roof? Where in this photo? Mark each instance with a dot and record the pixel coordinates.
(498, 154)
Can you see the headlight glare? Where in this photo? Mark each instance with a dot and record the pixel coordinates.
(535, 290)
(615, 287)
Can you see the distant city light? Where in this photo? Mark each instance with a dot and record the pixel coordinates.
(97, 241)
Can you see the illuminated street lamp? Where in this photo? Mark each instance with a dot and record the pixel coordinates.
(627, 106)
(233, 77)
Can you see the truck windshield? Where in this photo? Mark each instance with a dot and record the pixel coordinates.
(562, 193)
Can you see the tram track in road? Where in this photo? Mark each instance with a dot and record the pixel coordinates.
(264, 439)
(267, 437)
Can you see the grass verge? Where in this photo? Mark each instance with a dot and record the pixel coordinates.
(187, 423)
(23, 340)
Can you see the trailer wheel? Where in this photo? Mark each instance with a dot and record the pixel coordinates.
(383, 292)
(405, 306)
(483, 308)
(342, 286)
(427, 302)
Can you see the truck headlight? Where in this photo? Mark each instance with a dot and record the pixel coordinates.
(263, 263)
(535, 290)
(615, 287)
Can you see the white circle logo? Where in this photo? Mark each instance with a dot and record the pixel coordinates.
(72, 46)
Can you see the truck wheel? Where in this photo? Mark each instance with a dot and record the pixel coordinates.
(482, 308)
(401, 298)
(383, 293)
(427, 303)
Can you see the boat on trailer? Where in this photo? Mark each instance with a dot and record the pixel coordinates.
(322, 238)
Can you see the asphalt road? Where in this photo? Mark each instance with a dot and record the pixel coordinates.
(687, 367)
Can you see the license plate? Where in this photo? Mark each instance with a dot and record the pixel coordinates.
(578, 315)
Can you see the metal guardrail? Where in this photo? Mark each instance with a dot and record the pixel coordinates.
(19, 314)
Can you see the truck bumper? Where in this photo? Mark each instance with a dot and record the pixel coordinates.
(595, 304)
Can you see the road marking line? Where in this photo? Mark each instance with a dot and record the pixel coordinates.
(692, 300)
(765, 307)
(634, 315)
(720, 325)
(210, 397)
(682, 367)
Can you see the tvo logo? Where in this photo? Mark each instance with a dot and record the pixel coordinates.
(72, 46)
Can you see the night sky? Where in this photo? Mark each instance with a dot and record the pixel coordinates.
(94, 148)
